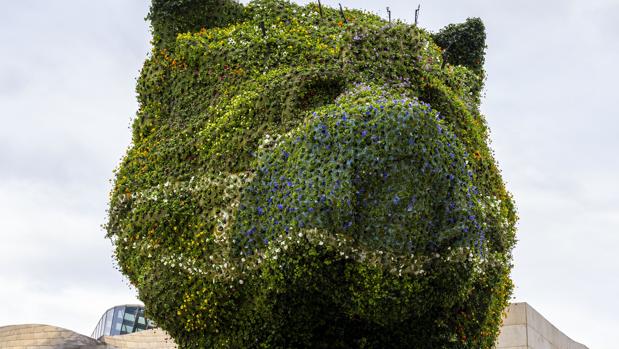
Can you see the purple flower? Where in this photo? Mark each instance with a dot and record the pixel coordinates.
(410, 207)
(396, 200)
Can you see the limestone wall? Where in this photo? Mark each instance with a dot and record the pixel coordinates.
(525, 328)
(149, 339)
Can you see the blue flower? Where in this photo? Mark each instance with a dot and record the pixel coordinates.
(280, 206)
(260, 211)
(396, 200)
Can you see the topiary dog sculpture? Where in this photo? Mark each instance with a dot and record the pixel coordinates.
(308, 177)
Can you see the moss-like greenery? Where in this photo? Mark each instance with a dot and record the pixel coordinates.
(463, 44)
(171, 17)
(299, 180)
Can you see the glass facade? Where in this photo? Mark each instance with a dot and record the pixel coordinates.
(122, 319)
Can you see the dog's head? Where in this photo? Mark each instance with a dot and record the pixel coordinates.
(296, 163)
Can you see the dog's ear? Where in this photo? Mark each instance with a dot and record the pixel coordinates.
(171, 17)
(464, 44)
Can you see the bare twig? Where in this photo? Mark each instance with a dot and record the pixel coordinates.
(342, 13)
(417, 14)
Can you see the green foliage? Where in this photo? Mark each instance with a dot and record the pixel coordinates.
(464, 43)
(171, 17)
(322, 184)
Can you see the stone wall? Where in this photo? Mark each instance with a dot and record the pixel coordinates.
(524, 328)
(149, 339)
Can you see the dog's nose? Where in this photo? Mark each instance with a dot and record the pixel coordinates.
(388, 175)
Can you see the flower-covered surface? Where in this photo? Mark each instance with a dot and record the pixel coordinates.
(302, 177)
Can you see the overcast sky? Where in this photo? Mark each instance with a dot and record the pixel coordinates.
(67, 76)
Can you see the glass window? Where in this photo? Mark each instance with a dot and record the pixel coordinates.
(126, 329)
(117, 323)
(141, 318)
(129, 317)
(122, 320)
(109, 316)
